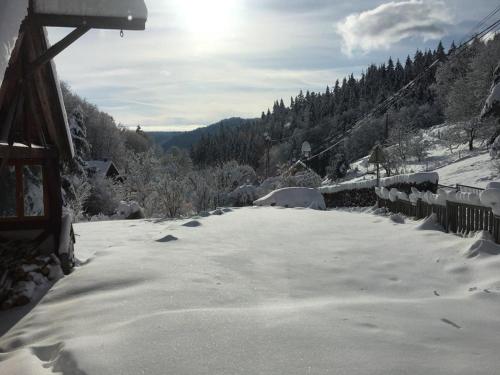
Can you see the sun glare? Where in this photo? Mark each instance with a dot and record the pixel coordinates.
(208, 19)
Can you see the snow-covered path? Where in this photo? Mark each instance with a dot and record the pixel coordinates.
(265, 291)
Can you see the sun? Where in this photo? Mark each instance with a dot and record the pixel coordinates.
(209, 19)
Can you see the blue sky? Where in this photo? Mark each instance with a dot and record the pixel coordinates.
(200, 61)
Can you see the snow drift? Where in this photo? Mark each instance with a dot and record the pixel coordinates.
(265, 291)
(293, 197)
(483, 245)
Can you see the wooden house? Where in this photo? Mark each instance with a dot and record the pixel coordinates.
(34, 131)
(103, 169)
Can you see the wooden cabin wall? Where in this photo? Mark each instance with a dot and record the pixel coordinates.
(29, 105)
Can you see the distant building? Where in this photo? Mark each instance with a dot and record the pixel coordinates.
(103, 168)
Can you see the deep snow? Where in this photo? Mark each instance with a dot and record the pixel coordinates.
(265, 291)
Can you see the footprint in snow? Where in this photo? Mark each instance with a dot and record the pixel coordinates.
(192, 224)
(168, 238)
(447, 321)
(367, 325)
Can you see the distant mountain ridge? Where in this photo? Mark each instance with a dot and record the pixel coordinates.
(185, 140)
(160, 137)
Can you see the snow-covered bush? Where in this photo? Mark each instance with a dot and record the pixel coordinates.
(142, 173)
(338, 167)
(243, 196)
(104, 196)
(77, 191)
(201, 192)
(268, 185)
(306, 178)
(303, 178)
(171, 195)
(129, 211)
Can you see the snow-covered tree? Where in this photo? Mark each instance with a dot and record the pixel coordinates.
(142, 174)
(452, 138)
(104, 196)
(171, 195)
(419, 147)
(201, 190)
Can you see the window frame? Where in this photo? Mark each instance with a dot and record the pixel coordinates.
(19, 165)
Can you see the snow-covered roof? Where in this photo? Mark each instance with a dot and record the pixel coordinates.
(60, 99)
(100, 167)
(93, 8)
(12, 13)
(124, 14)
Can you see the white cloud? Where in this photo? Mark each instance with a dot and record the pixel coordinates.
(389, 23)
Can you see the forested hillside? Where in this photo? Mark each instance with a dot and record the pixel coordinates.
(162, 137)
(186, 140)
(452, 90)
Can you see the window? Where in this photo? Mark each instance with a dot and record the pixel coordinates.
(8, 193)
(33, 191)
(22, 192)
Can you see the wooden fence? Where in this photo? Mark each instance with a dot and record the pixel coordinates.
(469, 189)
(454, 217)
(463, 188)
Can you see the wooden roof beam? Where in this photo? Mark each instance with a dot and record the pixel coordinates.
(57, 48)
(107, 23)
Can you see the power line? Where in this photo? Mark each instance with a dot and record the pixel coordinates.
(482, 22)
(387, 103)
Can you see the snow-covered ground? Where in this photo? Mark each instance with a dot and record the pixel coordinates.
(265, 291)
(458, 167)
(474, 170)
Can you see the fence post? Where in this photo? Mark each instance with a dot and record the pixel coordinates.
(496, 228)
(449, 218)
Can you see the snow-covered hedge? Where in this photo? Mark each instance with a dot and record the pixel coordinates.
(364, 193)
(441, 196)
(408, 179)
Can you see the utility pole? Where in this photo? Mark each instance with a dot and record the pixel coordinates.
(386, 129)
(267, 139)
(377, 157)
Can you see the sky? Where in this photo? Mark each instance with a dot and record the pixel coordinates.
(200, 61)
